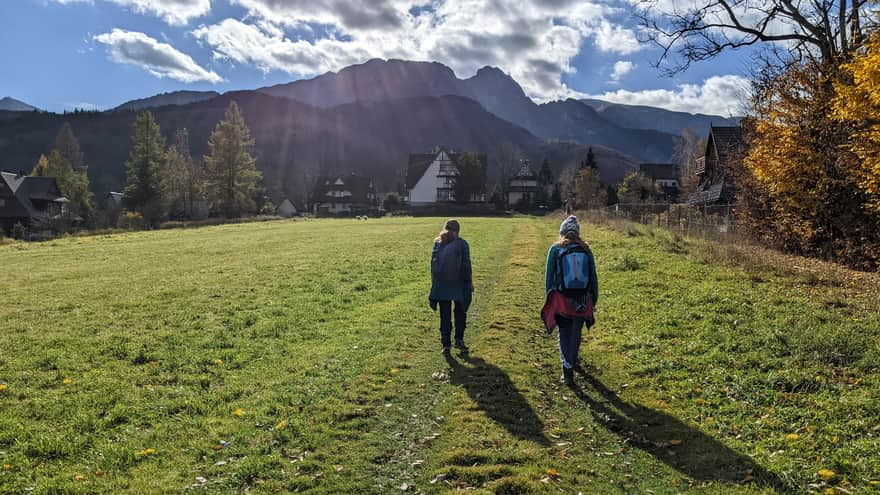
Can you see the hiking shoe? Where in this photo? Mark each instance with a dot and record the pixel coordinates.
(459, 344)
(567, 376)
(447, 351)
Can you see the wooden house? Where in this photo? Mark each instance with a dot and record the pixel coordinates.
(34, 202)
(725, 148)
(343, 195)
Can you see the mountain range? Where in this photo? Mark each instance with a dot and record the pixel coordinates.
(367, 119)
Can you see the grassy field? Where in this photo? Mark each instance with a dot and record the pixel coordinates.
(302, 356)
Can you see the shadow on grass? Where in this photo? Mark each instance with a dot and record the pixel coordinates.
(699, 456)
(495, 393)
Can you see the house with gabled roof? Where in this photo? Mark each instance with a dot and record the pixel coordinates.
(430, 178)
(523, 186)
(343, 194)
(664, 175)
(725, 149)
(34, 202)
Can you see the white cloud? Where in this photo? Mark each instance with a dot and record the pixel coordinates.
(616, 39)
(173, 12)
(621, 68)
(159, 59)
(535, 41)
(718, 95)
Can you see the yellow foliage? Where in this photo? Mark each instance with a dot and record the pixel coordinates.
(858, 104)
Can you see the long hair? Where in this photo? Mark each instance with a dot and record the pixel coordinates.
(446, 236)
(572, 237)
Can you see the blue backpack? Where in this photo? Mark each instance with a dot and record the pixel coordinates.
(446, 262)
(574, 269)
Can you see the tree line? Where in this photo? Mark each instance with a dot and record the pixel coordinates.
(165, 182)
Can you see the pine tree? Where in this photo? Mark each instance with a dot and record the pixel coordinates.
(231, 176)
(66, 165)
(590, 162)
(181, 177)
(143, 192)
(68, 146)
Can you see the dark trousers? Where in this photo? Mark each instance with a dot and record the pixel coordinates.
(446, 322)
(569, 340)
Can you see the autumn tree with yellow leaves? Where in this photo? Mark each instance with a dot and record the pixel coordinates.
(857, 105)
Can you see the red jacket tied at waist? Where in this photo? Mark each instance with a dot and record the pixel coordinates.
(557, 304)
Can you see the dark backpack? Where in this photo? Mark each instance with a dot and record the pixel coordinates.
(446, 262)
(574, 270)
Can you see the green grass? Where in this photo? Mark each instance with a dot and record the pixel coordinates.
(701, 364)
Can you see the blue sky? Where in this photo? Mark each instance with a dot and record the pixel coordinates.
(62, 54)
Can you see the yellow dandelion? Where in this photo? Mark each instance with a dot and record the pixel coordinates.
(829, 491)
(874, 482)
(3, 387)
(826, 473)
(394, 371)
(281, 425)
(238, 412)
(792, 436)
(218, 361)
(145, 452)
(7, 467)
(67, 381)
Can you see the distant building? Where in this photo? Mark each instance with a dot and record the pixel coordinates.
(430, 178)
(113, 200)
(523, 186)
(725, 147)
(343, 194)
(286, 209)
(664, 175)
(34, 202)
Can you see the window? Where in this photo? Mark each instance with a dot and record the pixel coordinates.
(2, 202)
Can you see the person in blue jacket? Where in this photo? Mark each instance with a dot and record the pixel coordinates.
(451, 281)
(569, 328)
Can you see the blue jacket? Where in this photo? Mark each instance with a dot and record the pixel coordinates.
(458, 290)
(552, 279)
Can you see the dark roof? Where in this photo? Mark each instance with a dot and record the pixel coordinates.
(659, 171)
(115, 197)
(25, 189)
(359, 186)
(419, 163)
(720, 192)
(44, 188)
(728, 140)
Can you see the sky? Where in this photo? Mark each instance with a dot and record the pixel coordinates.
(96, 54)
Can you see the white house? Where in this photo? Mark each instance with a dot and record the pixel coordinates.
(430, 178)
(523, 186)
(344, 194)
(286, 209)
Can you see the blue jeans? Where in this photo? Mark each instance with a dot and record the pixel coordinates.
(569, 340)
(446, 322)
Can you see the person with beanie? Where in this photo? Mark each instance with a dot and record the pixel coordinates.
(451, 281)
(571, 270)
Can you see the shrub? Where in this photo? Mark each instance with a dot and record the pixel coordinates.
(18, 231)
(626, 263)
(131, 220)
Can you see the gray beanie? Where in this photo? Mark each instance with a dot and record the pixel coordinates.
(570, 224)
